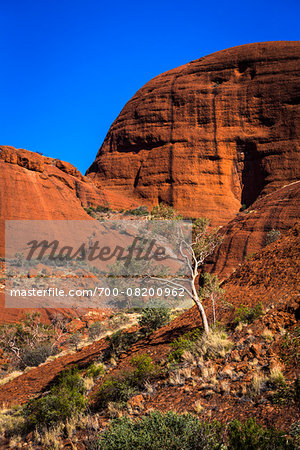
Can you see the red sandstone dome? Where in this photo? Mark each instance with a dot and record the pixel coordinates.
(209, 136)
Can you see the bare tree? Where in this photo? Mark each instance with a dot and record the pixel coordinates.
(204, 242)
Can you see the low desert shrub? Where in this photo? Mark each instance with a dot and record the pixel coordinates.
(247, 315)
(251, 436)
(125, 385)
(12, 422)
(144, 370)
(272, 236)
(165, 431)
(153, 318)
(32, 357)
(95, 370)
(276, 376)
(119, 342)
(140, 211)
(65, 400)
(213, 344)
(116, 389)
(94, 330)
(186, 342)
(208, 345)
(163, 211)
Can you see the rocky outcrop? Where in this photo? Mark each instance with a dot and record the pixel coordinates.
(248, 232)
(33, 187)
(209, 136)
(36, 187)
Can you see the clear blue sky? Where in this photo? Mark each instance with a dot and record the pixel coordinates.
(68, 67)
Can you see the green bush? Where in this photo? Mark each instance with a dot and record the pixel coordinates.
(119, 342)
(184, 343)
(144, 369)
(122, 387)
(116, 389)
(166, 431)
(102, 209)
(32, 357)
(140, 211)
(153, 318)
(94, 330)
(251, 436)
(247, 315)
(163, 211)
(95, 370)
(65, 400)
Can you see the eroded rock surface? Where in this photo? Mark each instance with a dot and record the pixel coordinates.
(209, 136)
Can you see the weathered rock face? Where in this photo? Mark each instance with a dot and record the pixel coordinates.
(36, 187)
(248, 232)
(209, 136)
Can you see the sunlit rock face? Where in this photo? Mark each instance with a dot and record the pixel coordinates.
(209, 136)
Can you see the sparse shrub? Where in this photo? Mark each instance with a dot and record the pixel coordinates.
(74, 340)
(90, 211)
(12, 422)
(140, 211)
(32, 357)
(276, 376)
(257, 383)
(144, 369)
(290, 347)
(116, 389)
(163, 211)
(65, 400)
(213, 344)
(153, 318)
(251, 436)
(243, 207)
(95, 370)
(247, 315)
(198, 407)
(119, 342)
(29, 342)
(179, 376)
(272, 236)
(184, 343)
(102, 209)
(122, 387)
(165, 431)
(94, 330)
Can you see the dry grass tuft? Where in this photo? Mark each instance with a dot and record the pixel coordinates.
(198, 407)
(214, 344)
(267, 334)
(276, 376)
(257, 383)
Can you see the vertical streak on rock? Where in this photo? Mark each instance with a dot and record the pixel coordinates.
(171, 148)
(215, 133)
